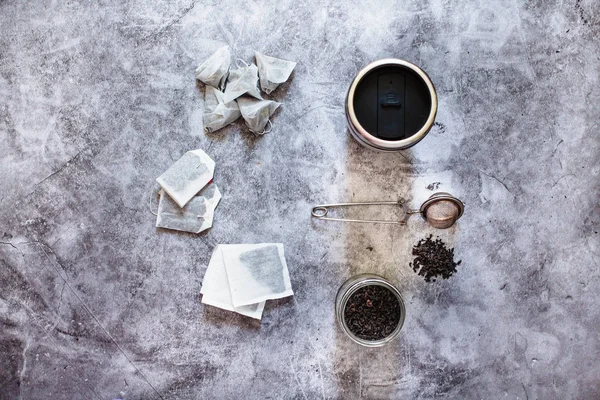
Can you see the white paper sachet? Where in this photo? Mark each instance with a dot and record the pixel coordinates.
(195, 217)
(215, 289)
(272, 71)
(242, 81)
(187, 176)
(256, 113)
(256, 272)
(217, 113)
(214, 70)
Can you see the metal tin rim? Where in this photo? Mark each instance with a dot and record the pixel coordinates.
(391, 144)
(346, 292)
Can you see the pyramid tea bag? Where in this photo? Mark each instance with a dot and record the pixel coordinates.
(187, 176)
(272, 71)
(217, 113)
(215, 289)
(213, 71)
(256, 272)
(242, 81)
(256, 113)
(195, 217)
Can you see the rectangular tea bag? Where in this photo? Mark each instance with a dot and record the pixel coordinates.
(256, 272)
(215, 289)
(187, 176)
(195, 217)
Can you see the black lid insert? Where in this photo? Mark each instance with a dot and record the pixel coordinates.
(392, 102)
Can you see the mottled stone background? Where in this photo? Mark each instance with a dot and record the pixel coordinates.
(96, 100)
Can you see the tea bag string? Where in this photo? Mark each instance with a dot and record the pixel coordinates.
(150, 203)
(244, 62)
(269, 129)
(239, 79)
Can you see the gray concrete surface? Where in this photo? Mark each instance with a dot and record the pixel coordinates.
(97, 100)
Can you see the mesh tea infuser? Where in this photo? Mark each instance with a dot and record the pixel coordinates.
(441, 210)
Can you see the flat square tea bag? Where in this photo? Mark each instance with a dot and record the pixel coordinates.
(213, 71)
(256, 113)
(272, 71)
(242, 81)
(195, 217)
(187, 176)
(256, 272)
(215, 289)
(217, 113)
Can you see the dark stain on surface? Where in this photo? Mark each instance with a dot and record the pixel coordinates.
(11, 363)
(441, 379)
(349, 382)
(15, 285)
(186, 385)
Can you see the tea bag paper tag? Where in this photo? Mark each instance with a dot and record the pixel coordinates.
(256, 272)
(256, 113)
(272, 71)
(213, 71)
(217, 113)
(242, 81)
(215, 289)
(187, 176)
(195, 217)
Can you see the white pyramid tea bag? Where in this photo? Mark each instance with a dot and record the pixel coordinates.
(187, 176)
(213, 71)
(215, 289)
(242, 81)
(256, 272)
(217, 113)
(195, 217)
(256, 113)
(212, 98)
(272, 71)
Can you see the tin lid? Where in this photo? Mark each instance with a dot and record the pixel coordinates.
(392, 103)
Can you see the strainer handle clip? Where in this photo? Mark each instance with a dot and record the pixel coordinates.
(322, 210)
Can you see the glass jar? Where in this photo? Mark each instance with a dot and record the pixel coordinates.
(348, 289)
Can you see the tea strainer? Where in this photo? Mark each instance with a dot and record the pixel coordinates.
(441, 210)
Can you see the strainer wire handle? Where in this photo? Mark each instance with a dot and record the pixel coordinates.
(321, 211)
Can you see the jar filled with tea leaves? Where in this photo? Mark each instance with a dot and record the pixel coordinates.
(370, 310)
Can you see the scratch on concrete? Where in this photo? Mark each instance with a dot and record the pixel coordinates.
(297, 379)
(66, 164)
(24, 368)
(182, 13)
(496, 179)
(10, 244)
(561, 178)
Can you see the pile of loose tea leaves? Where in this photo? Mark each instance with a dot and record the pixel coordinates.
(433, 259)
(372, 312)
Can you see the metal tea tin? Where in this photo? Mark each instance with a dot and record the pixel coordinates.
(391, 105)
(348, 289)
